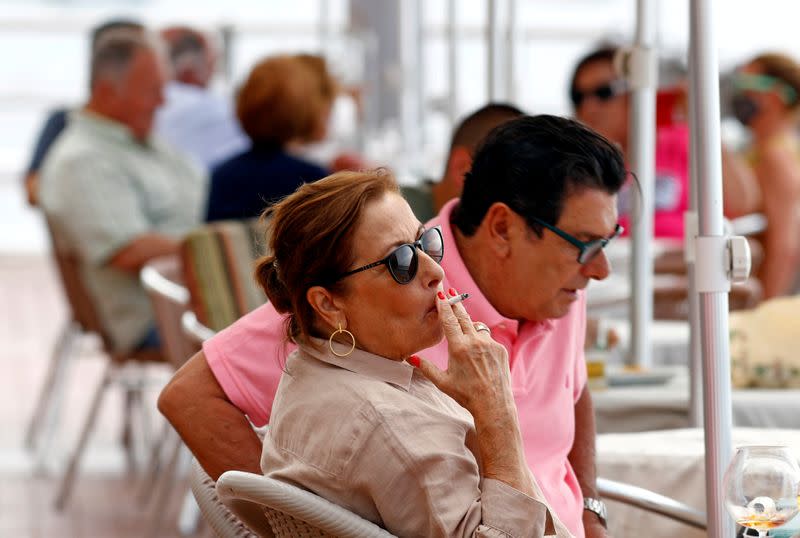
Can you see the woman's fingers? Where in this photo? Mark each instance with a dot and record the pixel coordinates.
(450, 323)
(429, 370)
(461, 314)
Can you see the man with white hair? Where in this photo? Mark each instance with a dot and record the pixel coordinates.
(118, 196)
(194, 119)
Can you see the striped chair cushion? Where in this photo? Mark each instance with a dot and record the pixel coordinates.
(218, 269)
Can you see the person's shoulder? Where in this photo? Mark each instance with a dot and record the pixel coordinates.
(73, 148)
(307, 170)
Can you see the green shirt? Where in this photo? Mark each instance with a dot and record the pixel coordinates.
(420, 198)
(103, 189)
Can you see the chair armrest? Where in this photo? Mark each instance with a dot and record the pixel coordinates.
(194, 329)
(651, 502)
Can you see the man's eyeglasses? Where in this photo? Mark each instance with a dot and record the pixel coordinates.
(605, 92)
(587, 250)
(403, 261)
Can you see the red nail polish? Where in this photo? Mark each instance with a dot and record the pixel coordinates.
(452, 292)
(413, 360)
(440, 295)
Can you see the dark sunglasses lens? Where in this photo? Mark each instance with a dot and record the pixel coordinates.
(403, 264)
(433, 245)
(604, 93)
(576, 97)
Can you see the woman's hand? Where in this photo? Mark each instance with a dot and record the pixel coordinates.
(477, 375)
(478, 378)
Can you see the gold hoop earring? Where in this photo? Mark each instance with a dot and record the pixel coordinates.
(348, 333)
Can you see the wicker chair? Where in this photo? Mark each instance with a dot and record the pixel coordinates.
(291, 511)
(222, 521)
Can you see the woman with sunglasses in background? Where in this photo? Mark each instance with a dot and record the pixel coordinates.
(767, 102)
(599, 97)
(354, 418)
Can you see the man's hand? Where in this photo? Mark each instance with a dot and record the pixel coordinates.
(592, 525)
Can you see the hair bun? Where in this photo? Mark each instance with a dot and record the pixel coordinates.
(269, 278)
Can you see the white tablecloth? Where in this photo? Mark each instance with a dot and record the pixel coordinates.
(659, 407)
(670, 463)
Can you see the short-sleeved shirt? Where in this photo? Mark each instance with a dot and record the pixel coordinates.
(389, 446)
(54, 125)
(548, 373)
(199, 123)
(243, 186)
(102, 188)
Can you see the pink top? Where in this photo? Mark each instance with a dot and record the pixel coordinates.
(547, 369)
(672, 184)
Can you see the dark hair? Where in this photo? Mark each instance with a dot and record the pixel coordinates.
(473, 129)
(604, 54)
(532, 164)
(310, 234)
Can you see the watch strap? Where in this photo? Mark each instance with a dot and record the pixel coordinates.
(598, 507)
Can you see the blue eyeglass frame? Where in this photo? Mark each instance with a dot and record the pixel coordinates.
(587, 249)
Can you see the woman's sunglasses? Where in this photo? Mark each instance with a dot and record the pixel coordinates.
(403, 261)
(606, 92)
(764, 83)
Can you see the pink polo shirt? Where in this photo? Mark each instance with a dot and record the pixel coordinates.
(547, 370)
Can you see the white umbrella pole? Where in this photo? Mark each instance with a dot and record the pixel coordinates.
(690, 236)
(641, 70)
(711, 273)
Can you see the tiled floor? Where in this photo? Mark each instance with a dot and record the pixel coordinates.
(104, 502)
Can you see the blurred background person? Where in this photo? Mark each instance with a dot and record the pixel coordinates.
(118, 196)
(193, 118)
(284, 103)
(429, 197)
(57, 119)
(599, 96)
(767, 101)
(600, 99)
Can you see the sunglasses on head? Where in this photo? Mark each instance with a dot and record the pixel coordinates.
(403, 261)
(764, 83)
(605, 92)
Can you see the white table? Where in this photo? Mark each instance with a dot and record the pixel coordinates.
(670, 463)
(661, 407)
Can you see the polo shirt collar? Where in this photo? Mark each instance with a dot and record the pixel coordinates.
(362, 362)
(105, 127)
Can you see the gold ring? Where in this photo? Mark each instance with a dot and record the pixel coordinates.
(480, 326)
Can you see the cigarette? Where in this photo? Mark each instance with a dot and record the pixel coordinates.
(457, 299)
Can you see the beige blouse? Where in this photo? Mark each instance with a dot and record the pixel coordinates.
(374, 436)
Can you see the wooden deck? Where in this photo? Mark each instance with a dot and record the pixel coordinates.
(104, 501)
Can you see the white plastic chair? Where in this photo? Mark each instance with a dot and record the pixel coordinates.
(222, 521)
(291, 511)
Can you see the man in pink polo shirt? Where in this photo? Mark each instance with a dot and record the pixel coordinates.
(524, 240)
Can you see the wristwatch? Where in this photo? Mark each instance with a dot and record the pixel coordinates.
(598, 507)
